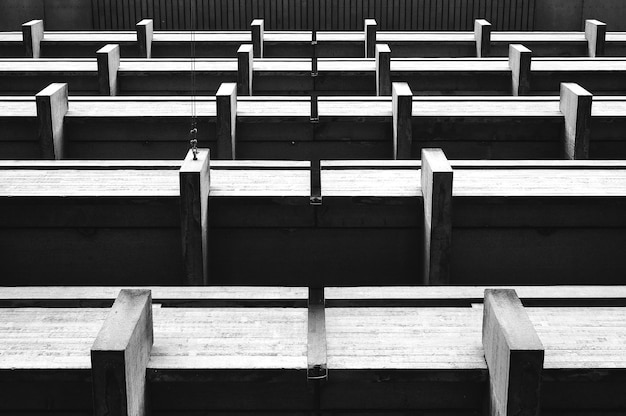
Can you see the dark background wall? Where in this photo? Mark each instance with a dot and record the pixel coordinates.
(323, 14)
(571, 14)
(57, 14)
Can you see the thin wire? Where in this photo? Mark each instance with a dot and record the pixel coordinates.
(194, 19)
(193, 131)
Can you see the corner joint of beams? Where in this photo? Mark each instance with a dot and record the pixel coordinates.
(317, 368)
(514, 355)
(257, 28)
(519, 63)
(436, 181)
(145, 33)
(108, 59)
(575, 105)
(482, 35)
(226, 102)
(402, 109)
(245, 70)
(52, 105)
(120, 354)
(32, 35)
(595, 33)
(371, 27)
(383, 69)
(194, 177)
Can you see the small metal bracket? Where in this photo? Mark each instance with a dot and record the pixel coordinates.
(315, 116)
(316, 183)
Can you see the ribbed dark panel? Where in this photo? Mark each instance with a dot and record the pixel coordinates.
(321, 14)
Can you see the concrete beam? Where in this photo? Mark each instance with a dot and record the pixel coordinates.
(402, 108)
(383, 70)
(482, 34)
(595, 33)
(194, 176)
(258, 33)
(226, 102)
(119, 356)
(108, 58)
(519, 62)
(52, 105)
(32, 35)
(436, 176)
(245, 72)
(370, 37)
(575, 105)
(514, 355)
(145, 33)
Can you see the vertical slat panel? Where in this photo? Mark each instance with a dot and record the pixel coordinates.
(519, 11)
(211, 12)
(397, 23)
(218, 15)
(531, 14)
(102, 11)
(174, 13)
(424, 18)
(267, 13)
(306, 14)
(202, 15)
(326, 18)
(95, 14)
(115, 19)
(156, 16)
(137, 11)
(125, 14)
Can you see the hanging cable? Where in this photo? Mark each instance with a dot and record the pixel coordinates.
(193, 131)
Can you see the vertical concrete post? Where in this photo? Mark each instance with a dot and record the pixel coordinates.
(402, 108)
(514, 355)
(258, 33)
(575, 105)
(195, 180)
(226, 102)
(383, 70)
(482, 34)
(519, 62)
(370, 37)
(595, 32)
(245, 73)
(108, 58)
(145, 32)
(436, 175)
(32, 35)
(120, 354)
(52, 105)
